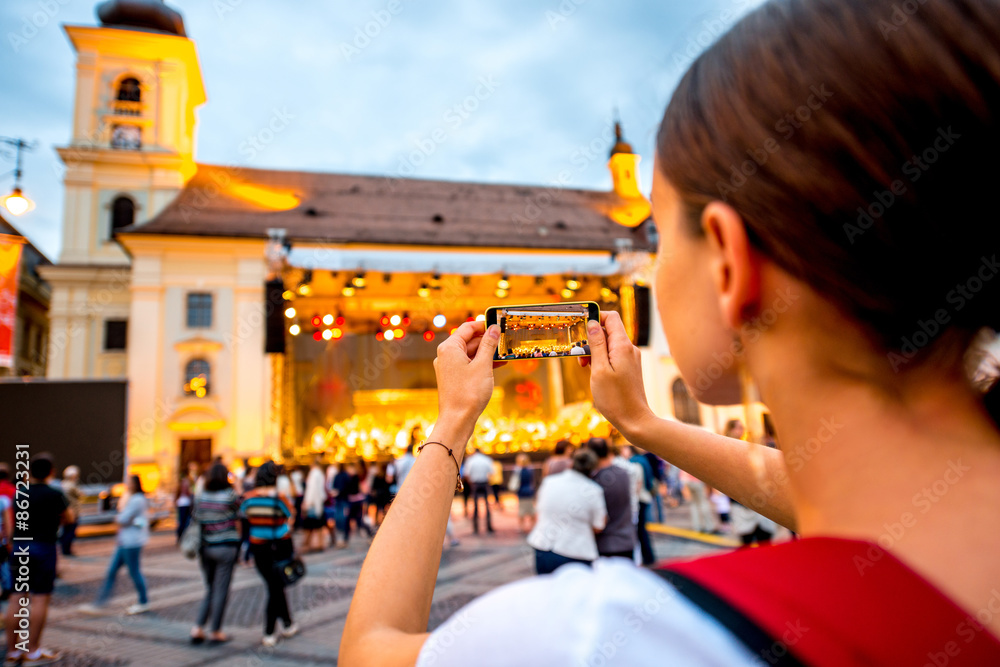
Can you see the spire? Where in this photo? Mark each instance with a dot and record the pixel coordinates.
(624, 166)
(621, 146)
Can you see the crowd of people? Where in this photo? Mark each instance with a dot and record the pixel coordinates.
(578, 348)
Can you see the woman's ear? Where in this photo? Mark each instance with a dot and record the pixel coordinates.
(733, 263)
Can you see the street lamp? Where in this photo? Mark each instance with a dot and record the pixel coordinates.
(16, 203)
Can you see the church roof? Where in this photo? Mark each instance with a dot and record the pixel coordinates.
(151, 15)
(346, 209)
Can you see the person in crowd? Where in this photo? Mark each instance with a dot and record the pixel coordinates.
(496, 482)
(380, 492)
(331, 511)
(570, 510)
(702, 513)
(39, 535)
(722, 505)
(577, 349)
(403, 465)
(524, 475)
(71, 489)
(6, 537)
(748, 525)
(466, 487)
(313, 508)
(216, 509)
(479, 470)
(298, 482)
(618, 539)
(184, 497)
(249, 477)
(358, 494)
(635, 457)
(133, 534)
(657, 465)
(196, 477)
(284, 485)
(270, 515)
(6, 487)
(560, 459)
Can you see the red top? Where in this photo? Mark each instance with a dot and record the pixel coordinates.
(833, 601)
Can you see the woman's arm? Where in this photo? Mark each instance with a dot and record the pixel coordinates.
(387, 621)
(131, 511)
(721, 462)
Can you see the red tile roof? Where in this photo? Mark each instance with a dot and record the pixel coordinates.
(346, 209)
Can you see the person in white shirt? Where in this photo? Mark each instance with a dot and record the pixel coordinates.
(571, 508)
(478, 469)
(577, 350)
(402, 467)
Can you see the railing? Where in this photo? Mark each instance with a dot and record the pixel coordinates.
(125, 108)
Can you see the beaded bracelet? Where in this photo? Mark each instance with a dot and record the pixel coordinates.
(460, 486)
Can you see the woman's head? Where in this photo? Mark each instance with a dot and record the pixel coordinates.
(135, 485)
(820, 142)
(734, 428)
(217, 478)
(267, 474)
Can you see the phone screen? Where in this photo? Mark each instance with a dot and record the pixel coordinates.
(543, 330)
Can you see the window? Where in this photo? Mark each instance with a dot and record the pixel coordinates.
(129, 90)
(122, 213)
(199, 310)
(196, 376)
(115, 334)
(686, 409)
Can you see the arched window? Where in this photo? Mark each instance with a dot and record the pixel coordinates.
(122, 213)
(197, 375)
(129, 90)
(685, 407)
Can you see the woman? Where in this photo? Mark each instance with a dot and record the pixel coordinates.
(357, 493)
(313, 504)
(133, 533)
(216, 508)
(811, 242)
(182, 501)
(525, 493)
(751, 527)
(571, 509)
(381, 492)
(270, 516)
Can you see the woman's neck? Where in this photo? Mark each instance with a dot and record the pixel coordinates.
(912, 466)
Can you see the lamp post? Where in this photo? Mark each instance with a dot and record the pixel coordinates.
(16, 203)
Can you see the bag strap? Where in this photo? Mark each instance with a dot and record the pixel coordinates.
(755, 638)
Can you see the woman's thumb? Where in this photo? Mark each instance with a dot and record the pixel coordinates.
(598, 345)
(488, 345)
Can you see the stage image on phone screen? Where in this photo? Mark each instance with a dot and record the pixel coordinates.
(550, 330)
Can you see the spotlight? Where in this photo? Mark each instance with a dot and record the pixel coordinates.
(440, 320)
(406, 319)
(453, 330)
(385, 320)
(318, 335)
(294, 329)
(339, 321)
(347, 291)
(567, 293)
(424, 291)
(337, 333)
(470, 318)
(379, 336)
(480, 317)
(359, 280)
(395, 320)
(389, 335)
(316, 321)
(503, 283)
(428, 336)
(327, 334)
(573, 283)
(500, 293)
(398, 333)
(288, 295)
(289, 313)
(328, 319)
(304, 289)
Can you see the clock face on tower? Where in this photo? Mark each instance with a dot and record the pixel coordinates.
(128, 137)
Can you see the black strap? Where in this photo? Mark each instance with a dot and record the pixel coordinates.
(772, 651)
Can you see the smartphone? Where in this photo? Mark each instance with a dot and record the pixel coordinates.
(543, 330)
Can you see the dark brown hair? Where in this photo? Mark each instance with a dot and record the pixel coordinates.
(858, 140)
(217, 478)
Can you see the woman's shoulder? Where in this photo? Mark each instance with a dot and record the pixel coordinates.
(613, 612)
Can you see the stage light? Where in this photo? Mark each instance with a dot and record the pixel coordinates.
(480, 317)
(398, 333)
(606, 293)
(337, 333)
(440, 320)
(395, 320)
(347, 291)
(339, 321)
(327, 334)
(288, 295)
(424, 291)
(501, 293)
(304, 289)
(503, 283)
(289, 313)
(328, 319)
(385, 320)
(453, 330)
(359, 280)
(294, 329)
(406, 319)
(470, 318)
(318, 335)
(389, 335)
(379, 336)
(428, 336)
(316, 321)
(567, 293)
(573, 283)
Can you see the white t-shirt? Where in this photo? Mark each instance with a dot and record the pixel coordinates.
(479, 468)
(613, 614)
(569, 508)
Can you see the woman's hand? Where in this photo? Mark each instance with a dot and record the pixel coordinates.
(616, 377)
(464, 370)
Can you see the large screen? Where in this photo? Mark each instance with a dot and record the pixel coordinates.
(547, 330)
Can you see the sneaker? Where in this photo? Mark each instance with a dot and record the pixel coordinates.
(13, 658)
(270, 640)
(42, 656)
(140, 608)
(91, 609)
(291, 630)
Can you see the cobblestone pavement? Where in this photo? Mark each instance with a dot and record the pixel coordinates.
(319, 602)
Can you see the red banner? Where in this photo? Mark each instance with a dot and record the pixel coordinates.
(10, 259)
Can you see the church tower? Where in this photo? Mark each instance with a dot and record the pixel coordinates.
(633, 209)
(138, 83)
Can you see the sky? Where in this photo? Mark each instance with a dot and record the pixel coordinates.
(518, 91)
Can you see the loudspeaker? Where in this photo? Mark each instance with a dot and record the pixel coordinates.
(642, 315)
(274, 308)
